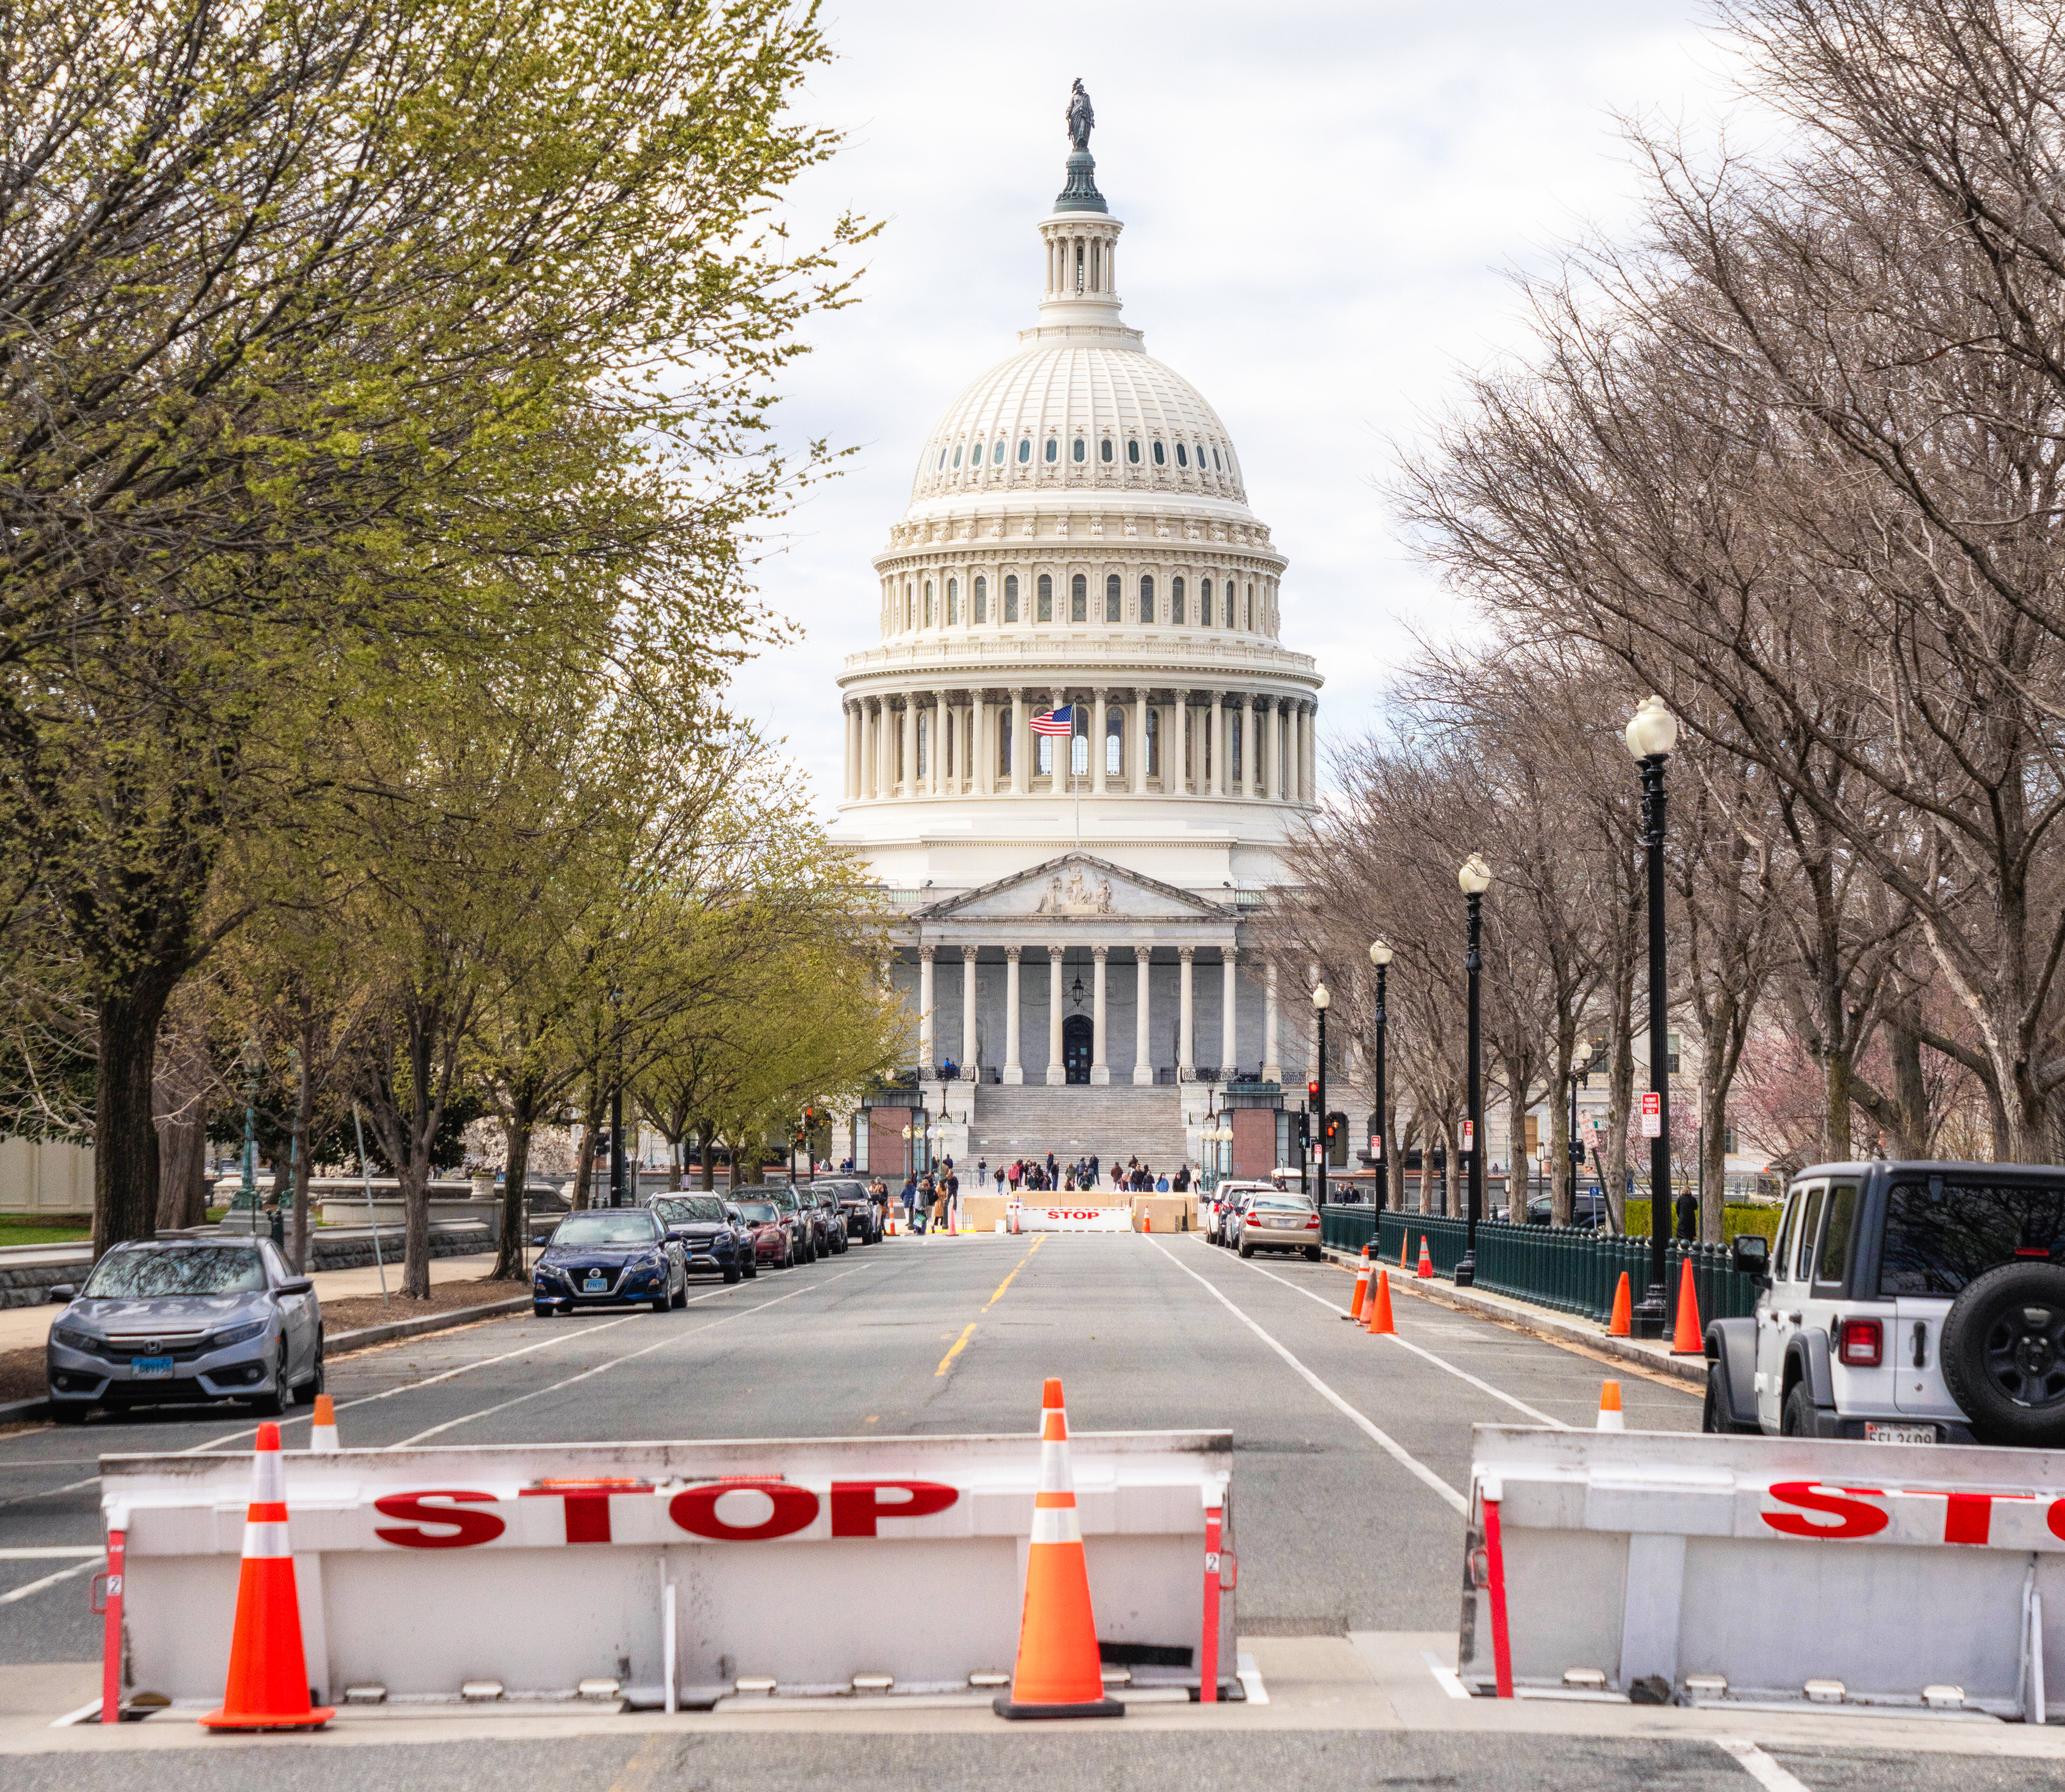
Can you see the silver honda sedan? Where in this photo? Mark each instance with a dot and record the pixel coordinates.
(186, 1320)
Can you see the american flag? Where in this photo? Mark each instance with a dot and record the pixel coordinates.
(1061, 721)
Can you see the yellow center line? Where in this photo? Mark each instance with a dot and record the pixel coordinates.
(961, 1343)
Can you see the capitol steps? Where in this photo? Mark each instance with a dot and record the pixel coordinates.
(1115, 1122)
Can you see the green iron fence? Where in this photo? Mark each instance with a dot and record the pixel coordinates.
(1558, 1267)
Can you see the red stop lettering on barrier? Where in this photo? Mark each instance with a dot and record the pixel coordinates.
(1969, 1517)
(587, 1506)
(695, 1511)
(855, 1508)
(466, 1528)
(1855, 1519)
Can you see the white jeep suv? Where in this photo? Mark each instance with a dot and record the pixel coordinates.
(1902, 1302)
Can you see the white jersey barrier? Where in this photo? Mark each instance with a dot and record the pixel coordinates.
(1761, 1569)
(671, 1572)
(1074, 1219)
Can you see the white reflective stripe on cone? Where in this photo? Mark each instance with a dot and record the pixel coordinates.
(1056, 1524)
(321, 1439)
(265, 1538)
(1054, 1476)
(269, 1476)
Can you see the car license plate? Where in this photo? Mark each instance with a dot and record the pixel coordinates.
(596, 1283)
(147, 1367)
(1898, 1433)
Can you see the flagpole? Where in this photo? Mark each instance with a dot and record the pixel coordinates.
(1075, 788)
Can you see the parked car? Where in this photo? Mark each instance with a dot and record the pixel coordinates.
(1902, 1303)
(712, 1236)
(185, 1320)
(829, 1222)
(770, 1240)
(1234, 1198)
(801, 1228)
(857, 1217)
(1588, 1210)
(1274, 1222)
(609, 1257)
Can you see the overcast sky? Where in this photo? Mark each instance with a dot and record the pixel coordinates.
(1323, 202)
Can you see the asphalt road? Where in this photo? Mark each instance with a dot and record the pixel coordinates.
(1352, 1455)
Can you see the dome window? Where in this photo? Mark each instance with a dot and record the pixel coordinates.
(1114, 599)
(1182, 458)
(953, 601)
(1053, 451)
(1104, 450)
(1024, 450)
(957, 457)
(1079, 599)
(1216, 467)
(1147, 597)
(928, 603)
(1175, 600)
(1010, 597)
(1133, 452)
(1046, 588)
(1079, 449)
(943, 460)
(997, 457)
(1205, 602)
(980, 613)
(1160, 458)
(1201, 457)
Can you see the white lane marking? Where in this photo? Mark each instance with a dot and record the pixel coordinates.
(48, 1493)
(50, 1581)
(1250, 1677)
(51, 1552)
(1445, 1678)
(1461, 1374)
(629, 1356)
(1383, 1439)
(89, 1710)
(1759, 1766)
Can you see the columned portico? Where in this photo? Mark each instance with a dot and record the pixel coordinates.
(1014, 1071)
(1057, 1072)
(1099, 1061)
(1143, 1059)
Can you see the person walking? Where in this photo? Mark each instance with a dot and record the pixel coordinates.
(909, 1198)
(1688, 1213)
(1015, 1172)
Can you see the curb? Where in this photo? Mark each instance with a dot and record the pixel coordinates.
(365, 1338)
(1551, 1327)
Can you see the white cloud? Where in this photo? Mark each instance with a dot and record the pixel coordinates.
(1321, 202)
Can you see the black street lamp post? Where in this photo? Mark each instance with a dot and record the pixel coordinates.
(1574, 1153)
(1379, 955)
(1475, 878)
(1651, 733)
(1321, 1001)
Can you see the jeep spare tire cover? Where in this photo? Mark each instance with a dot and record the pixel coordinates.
(2004, 1354)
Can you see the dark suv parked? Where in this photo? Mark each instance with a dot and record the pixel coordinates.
(712, 1235)
(857, 1214)
(1902, 1303)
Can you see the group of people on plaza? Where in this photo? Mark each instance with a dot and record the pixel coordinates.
(931, 1193)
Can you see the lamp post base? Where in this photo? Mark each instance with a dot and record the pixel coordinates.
(1646, 1320)
(1466, 1274)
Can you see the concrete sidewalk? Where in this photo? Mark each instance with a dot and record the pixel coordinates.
(26, 1327)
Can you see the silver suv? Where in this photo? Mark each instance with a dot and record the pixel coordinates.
(1902, 1303)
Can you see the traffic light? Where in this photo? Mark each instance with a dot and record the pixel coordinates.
(1304, 1125)
(1312, 1092)
(1335, 1123)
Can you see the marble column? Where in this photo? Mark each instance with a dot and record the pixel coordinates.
(1186, 1038)
(926, 1049)
(1099, 1067)
(1312, 1025)
(1019, 777)
(1229, 957)
(909, 782)
(937, 784)
(1057, 1071)
(1216, 744)
(1096, 728)
(982, 755)
(1014, 1071)
(971, 1057)
(1137, 749)
(1143, 1049)
(1250, 744)
(1272, 1063)
(884, 764)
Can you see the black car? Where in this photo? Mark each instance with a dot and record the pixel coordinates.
(712, 1236)
(857, 1210)
(830, 1220)
(609, 1257)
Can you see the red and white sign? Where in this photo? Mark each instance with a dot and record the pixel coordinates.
(1470, 1136)
(1377, 1144)
(1652, 1114)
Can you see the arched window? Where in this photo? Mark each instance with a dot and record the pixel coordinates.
(1104, 450)
(943, 460)
(1079, 747)
(1024, 450)
(1046, 597)
(981, 599)
(1201, 457)
(928, 603)
(1205, 602)
(957, 456)
(1114, 598)
(1053, 451)
(1003, 747)
(1216, 467)
(1182, 459)
(1042, 755)
(909, 609)
(1133, 452)
(1010, 597)
(953, 601)
(1175, 600)
(1147, 597)
(1232, 599)
(1233, 746)
(924, 741)
(1114, 743)
(1153, 741)
(1081, 449)
(996, 455)
(1160, 459)
(1079, 599)
(1251, 607)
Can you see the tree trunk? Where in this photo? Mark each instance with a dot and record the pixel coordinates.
(415, 1177)
(706, 1147)
(1914, 1126)
(125, 1132)
(509, 1264)
(585, 1162)
(297, 1156)
(1620, 1100)
(1713, 1158)
(178, 1090)
(1394, 1156)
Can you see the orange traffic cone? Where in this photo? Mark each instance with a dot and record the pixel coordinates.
(1425, 1272)
(1380, 1308)
(1622, 1322)
(1685, 1340)
(1404, 1244)
(1611, 1417)
(1059, 1672)
(322, 1429)
(1354, 1313)
(269, 1679)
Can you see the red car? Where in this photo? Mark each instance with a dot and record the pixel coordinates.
(773, 1242)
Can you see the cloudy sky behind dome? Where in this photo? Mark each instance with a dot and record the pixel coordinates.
(1323, 204)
